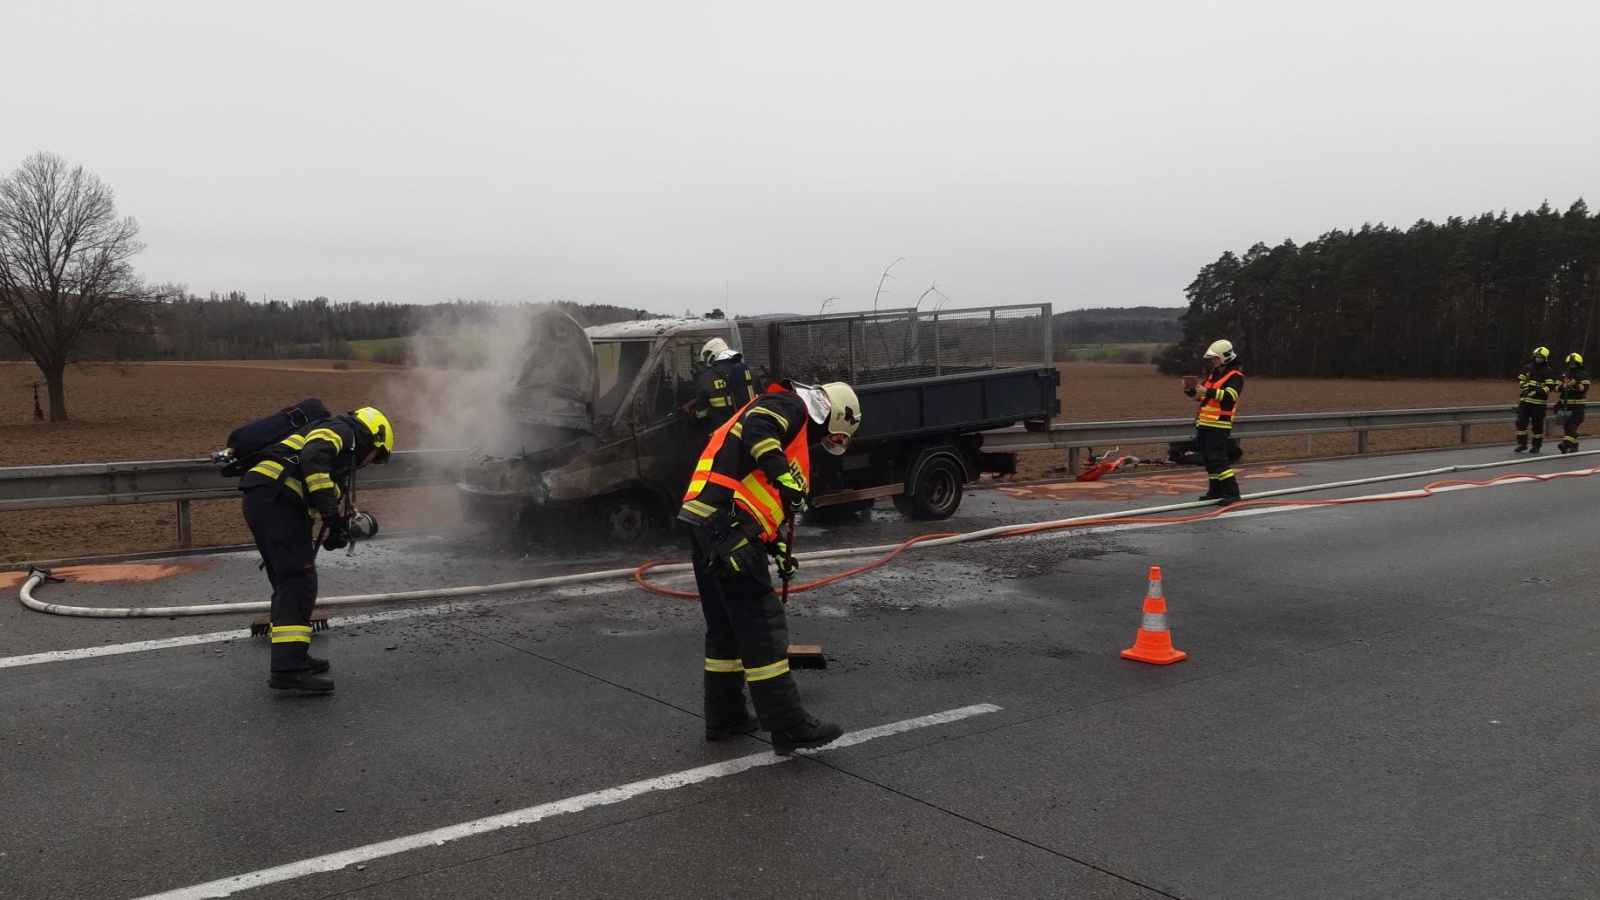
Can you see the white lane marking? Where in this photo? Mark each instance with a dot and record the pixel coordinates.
(220, 636)
(213, 637)
(335, 861)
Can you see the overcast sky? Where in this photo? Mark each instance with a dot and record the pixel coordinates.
(666, 155)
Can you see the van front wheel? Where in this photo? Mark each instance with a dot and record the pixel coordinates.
(624, 521)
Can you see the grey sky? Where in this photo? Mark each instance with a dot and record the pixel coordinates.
(658, 154)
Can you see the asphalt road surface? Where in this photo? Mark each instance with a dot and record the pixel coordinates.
(1384, 699)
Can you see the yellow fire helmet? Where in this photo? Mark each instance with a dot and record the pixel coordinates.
(1541, 353)
(377, 425)
(1575, 359)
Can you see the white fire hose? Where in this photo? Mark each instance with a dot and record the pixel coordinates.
(38, 576)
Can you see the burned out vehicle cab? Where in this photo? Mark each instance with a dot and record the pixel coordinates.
(594, 437)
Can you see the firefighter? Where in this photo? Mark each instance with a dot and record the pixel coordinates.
(1535, 382)
(1574, 396)
(753, 474)
(1219, 399)
(724, 385)
(284, 494)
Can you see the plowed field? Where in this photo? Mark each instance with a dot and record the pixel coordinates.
(144, 411)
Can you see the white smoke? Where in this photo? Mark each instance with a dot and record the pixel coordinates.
(457, 387)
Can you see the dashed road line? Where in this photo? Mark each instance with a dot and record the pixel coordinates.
(333, 862)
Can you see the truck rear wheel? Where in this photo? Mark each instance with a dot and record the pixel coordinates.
(935, 492)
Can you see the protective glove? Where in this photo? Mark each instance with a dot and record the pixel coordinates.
(791, 492)
(338, 534)
(1202, 393)
(1189, 391)
(787, 564)
(741, 556)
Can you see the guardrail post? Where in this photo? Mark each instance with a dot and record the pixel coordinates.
(1465, 428)
(1361, 442)
(1072, 460)
(185, 537)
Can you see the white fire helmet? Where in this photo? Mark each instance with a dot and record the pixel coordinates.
(713, 347)
(1222, 350)
(835, 405)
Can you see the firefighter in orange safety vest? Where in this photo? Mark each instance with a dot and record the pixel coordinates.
(1219, 398)
(753, 474)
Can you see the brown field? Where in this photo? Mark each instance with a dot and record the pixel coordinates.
(144, 411)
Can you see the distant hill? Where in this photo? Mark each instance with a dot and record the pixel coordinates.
(1118, 325)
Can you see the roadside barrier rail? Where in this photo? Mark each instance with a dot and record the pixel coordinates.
(182, 481)
(1071, 436)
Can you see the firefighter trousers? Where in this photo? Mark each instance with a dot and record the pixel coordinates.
(1212, 443)
(1530, 420)
(282, 530)
(1569, 429)
(747, 642)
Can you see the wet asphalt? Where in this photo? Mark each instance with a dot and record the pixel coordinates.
(1380, 699)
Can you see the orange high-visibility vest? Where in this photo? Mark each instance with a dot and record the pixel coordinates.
(1211, 412)
(758, 497)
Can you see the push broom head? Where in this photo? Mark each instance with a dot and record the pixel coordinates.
(261, 625)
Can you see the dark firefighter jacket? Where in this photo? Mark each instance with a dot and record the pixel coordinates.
(1575, 387)
(720, 390)
(1536, 381)
(310, 463)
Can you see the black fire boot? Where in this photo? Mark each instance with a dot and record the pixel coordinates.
(304, 680)
(725, 709)
(1520, 448)
(717, 731)
(810, 732)
(1535, 448)
(318, 664)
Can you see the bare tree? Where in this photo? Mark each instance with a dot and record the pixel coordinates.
(65, 270)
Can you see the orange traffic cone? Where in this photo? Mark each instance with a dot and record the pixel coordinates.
(1153, 642)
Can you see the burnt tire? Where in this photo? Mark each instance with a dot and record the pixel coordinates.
(624, 521)
(935, 492)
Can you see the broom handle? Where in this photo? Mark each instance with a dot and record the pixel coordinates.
(788, 546)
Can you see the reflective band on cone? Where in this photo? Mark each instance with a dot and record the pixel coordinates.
(1153, 642)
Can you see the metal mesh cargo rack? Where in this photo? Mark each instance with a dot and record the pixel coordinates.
(901, 344)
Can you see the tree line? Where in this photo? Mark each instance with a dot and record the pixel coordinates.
(231, 326)
(1469, 298)
(1113, 325)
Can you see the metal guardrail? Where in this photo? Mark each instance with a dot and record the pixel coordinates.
(181, 481)
(1071, 436)
(184, 480)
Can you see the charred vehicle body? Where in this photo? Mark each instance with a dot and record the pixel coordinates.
(598, 439)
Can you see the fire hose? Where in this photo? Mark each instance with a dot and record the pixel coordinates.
(885, 552)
